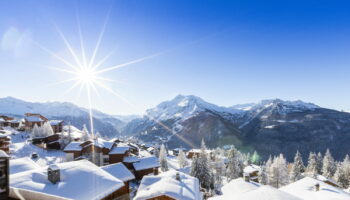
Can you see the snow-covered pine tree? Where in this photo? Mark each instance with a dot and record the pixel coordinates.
(156, 151)
(319, 160)
(163, 158)
(339, 176)
(219, 171)
(85, 136)
(247, 159)
(278, 172)
(234, 169)
(311, 169)
(263, 179)
(297, 168)
(35, 131)
(346, 166)
(202, 169)
(47, 129)
(182, 159)
(329, 166)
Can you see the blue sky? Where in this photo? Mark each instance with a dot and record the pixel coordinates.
(227, 52)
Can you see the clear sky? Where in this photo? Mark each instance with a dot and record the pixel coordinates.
(226, 52)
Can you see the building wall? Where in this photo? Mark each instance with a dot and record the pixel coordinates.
(120, 194)
(116, 158)
(139, 174)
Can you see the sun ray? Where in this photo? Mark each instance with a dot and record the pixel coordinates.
(69, 47)
(82, 47)
(54, 55)
(100, 37)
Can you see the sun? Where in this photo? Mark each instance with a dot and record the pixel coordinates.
(86, 75)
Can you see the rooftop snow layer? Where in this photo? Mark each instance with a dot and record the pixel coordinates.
(187, 188)
(238, 186)
(22, 164)
(267, 192)
(73, 146)
(55, 122)
(80, 180)
(305, 189)
(119, 171)
(33, 119)
(119, 150)
(131, 159)
(146, 163)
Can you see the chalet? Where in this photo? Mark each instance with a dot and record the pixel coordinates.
(57, 125)
(252, 171)
(31, 119)
(327, 180)
(120, 172)
(5, 142)
(192, 153)
(48, 142)
(169, 185)
(133, 148)
(79, 180)
(2, 122)
(129, 162)
(145, 166)
(118, 153)
(310, 189)
(73, 150)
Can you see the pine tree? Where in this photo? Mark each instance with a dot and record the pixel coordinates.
(36, 131)
(297, 169)
(311, 169)
(201, 169)
(342, 174)
(255, 158)
(319, 160)
(329, 166)
(85, 136)
(278, 172)
(182, 159)
(234, 168)
(263, 179)
(163, 159)
(47, 129)
(156, 151)
(219, 171)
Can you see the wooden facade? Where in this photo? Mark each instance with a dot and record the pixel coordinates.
(5, 142)
(122, 193)
(141, 173)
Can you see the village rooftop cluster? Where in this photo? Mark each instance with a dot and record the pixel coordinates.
(94, 168)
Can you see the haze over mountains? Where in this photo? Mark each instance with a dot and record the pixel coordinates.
(269, 127)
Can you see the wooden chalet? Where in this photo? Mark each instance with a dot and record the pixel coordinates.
(145, 166)
(5, 142)
(120, 172)
(118, 153)
(57, 125)
(31, 119)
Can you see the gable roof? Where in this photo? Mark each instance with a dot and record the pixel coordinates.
(73, 146)
(166, 184)
(80, 180)
(304, 188)
(119, 150)
(119, 171)
(238, 186)
(267, 192)
(33, 119)
(22, 164)
(146, 163)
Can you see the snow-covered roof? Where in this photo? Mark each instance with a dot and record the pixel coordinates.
(119, 150)
(22, 164)
(119, 171)
(238, 187)
(3, 154)
(33, 119)
(73, 146)
(80, 180)
(305, 189)
(146, 163)
(131, 159)
(187, 188)
(251, 169)
(55, 122)
(267, 192)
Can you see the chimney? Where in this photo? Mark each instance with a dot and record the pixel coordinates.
(53, 174)
(246, 177)
(317, 187)
(178, 176)
(155, 171)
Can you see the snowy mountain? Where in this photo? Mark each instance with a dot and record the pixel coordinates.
(70, 113)
(270, 126)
